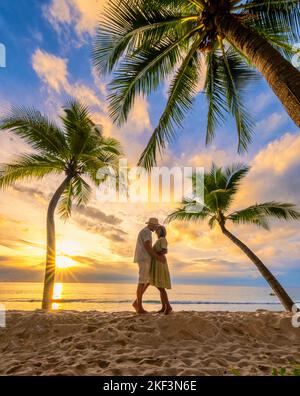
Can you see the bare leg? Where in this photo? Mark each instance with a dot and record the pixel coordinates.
(163, 306)
(138, 303)
(166, 303)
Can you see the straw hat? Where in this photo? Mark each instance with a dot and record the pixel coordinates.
(153, 221)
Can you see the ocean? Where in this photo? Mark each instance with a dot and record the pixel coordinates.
(113, 297)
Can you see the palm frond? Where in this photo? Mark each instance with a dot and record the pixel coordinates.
(235, 72)
(110, 150)
(181, 94)
(66, 201)
(35, 129)
(219, 200)
(105, 151)
(212, 222)
(142, 41)
(228, 74)
(278, 15)
(28, 166)
(142, 73)
(215, 94)
(250, 217)
(78, 126)
(127, 25)
(221, 185)
(279, 40)
(235, 174)
(183, 214)
(214, 179)
(82, 191)
(260, 213)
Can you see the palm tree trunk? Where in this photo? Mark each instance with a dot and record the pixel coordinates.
(281, 75)
(285, 299)
(51, 247)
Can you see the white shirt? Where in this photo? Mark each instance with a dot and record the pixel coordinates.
(141, 255)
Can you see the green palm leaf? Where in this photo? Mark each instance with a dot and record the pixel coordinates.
(82, 191)
(234, 175)
(142, 73)
(142, 41)
(278, 15)
(220, 188)
(182, 214)
(35, 129)
(125, 26)
(215, 93)
(65, 203)
(182, 91)
(28, 166)
(267, 210)
(232, 69)
(78, 126)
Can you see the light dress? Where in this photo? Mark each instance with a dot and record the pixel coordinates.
(159, 273)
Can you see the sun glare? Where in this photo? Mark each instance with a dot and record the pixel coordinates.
(57, 294)
(68, 247)
(63, 262)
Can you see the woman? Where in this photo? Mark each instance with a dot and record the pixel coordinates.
(159, 274)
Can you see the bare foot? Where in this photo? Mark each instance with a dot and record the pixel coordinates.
(141, 312)
(135, 305)
(168, 310)
(161, 310)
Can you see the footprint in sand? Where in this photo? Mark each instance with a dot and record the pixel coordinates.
(103, 364)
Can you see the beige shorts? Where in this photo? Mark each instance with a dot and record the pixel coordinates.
(144, 272)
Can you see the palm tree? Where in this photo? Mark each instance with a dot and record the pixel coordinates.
(143, 42)
(77, 150)
(220, 188)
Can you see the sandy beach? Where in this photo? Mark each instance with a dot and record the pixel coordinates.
(184, 343)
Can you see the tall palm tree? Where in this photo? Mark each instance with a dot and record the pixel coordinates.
(220, 188)
(77, 150)
(143, 42)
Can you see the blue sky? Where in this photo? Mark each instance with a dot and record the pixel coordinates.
(48, 44)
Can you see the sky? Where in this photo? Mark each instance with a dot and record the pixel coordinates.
(48, 60)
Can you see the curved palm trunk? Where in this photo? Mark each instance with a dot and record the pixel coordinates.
(282, 77)
(285, 299)
(51, 247)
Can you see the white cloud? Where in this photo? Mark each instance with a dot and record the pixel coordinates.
(84, 94)
(212, 154)
(279, 155)
(81, 14)
(261, 102)
(139, 117)
(274, 173)
(271, 124)
(51, 69)
(59, 11)
(88, 14)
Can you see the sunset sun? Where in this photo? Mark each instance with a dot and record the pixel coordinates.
(64, 262)
(149, 194)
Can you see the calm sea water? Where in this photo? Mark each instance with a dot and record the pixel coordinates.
(118, 297)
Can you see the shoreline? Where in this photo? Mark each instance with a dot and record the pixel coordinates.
(123, 343)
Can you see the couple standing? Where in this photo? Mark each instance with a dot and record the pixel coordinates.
(153, 266)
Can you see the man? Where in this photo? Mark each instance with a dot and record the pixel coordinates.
(143, 255)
